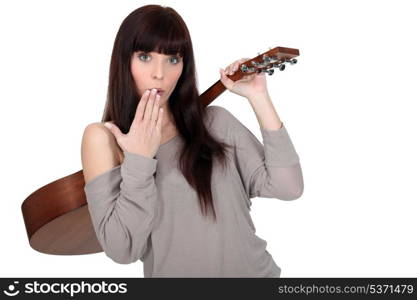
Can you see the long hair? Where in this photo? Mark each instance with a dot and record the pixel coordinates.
(161, 29)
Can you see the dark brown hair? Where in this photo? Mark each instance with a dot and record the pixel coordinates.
(161, 29)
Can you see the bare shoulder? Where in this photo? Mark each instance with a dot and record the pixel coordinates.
(99, 151)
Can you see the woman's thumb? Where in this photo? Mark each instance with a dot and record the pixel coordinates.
(113, 129)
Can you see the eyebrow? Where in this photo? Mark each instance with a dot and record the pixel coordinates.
(177, 54)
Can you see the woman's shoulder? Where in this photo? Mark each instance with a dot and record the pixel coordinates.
(220, 117)
(216, 110)
(98, 133)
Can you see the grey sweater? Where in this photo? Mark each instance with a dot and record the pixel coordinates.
(145, 209)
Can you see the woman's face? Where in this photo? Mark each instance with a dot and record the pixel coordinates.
(154, 70)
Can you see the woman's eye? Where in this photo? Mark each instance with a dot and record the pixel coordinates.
(177, 59)
(142, 55)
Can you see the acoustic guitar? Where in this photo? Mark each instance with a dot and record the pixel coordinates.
(56, 215)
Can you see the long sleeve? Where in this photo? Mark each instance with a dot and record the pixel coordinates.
(122, 205)
(271, 170)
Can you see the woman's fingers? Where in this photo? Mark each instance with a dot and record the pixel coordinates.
(227, 82)
(237, 63)
(232, 68)
(155, 110)
(145, 132)
(140, 109)
(160, 111)
(226, 70)
(149, 105)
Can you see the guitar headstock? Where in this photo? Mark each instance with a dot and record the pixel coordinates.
(277, 57)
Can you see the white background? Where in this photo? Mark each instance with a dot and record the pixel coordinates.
(349, 106)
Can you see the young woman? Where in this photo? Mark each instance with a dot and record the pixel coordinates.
(170, 181)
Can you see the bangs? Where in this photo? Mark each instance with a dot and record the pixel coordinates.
(163, 36)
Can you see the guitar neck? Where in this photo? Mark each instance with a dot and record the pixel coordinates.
(212, 93)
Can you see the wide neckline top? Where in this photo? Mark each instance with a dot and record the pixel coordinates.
(172, 142)
(146, 209)
(169, 141)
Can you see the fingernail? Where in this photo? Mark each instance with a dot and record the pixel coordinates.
(108, 125)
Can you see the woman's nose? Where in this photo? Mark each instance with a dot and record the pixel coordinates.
(158, 71)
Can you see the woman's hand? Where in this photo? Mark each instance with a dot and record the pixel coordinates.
(144, 136)
(248, 86)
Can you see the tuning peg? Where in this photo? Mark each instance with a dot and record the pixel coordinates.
(269, 71)
(280, 66)
(292, 61)
(246, 69)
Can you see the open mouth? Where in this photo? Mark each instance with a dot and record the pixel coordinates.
(158, 91)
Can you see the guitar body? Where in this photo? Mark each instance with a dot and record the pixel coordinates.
(56, 215)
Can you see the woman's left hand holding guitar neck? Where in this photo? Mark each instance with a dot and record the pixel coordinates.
(254, 88)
